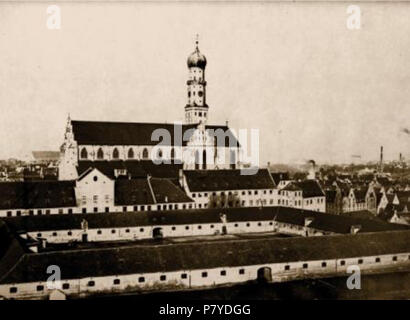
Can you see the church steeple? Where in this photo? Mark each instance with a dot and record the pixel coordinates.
(196, 110)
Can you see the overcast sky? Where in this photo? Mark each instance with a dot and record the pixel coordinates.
(313, 88)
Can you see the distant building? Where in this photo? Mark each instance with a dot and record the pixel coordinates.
(306, 194)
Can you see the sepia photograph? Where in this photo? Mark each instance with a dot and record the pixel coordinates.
(224, 151)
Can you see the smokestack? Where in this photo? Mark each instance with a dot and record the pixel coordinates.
(381, 159)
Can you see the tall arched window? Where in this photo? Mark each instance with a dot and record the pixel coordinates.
(233, 159)
(145, 153)
(84, 153)
(197, 160)
(100, 154)
(204, 160)
(115, 153)
(130, 153)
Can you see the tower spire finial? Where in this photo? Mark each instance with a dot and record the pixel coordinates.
(196, 41)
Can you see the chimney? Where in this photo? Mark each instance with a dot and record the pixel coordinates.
(355, 228)
(181, 178)
(226, 123)
(42, 244)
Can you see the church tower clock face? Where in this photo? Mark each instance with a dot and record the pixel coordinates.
(196, 110)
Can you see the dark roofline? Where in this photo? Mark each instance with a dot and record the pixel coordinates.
(322, 221)
(206, 255)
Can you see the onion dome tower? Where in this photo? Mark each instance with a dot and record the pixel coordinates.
(196, 110)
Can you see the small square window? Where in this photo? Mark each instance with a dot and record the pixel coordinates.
(184, 276)
(70, 211)
(95, 209)
(117, 281)
(69, 233)
(394, 258)
(199, 227)
(163, 278)
(377, 260)
(99, 232)
(342, 263)
(127, 230)
(141, 229)
(66, 286)
(107, 209)
(113, 231)
(187, 227)
(13, 290)
(360, 261)
(287, 267)
(212, 226)
(124, 209)
(204, 274)
(84, 210)
(91, 283)
(324, 264)
(236, 224)
(173, 228)
(38, 235)
(241, 271)
(9, 213)
(223, 272)
(54, 234)
(141, 279)
(40, 288)
(305, 266)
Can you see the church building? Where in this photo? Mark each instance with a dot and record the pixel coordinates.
(194, 144)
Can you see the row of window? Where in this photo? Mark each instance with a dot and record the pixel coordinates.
(113, 231)
(91, 283)
(204, 274)
(130, 154)
(106, 209)
(39, 212)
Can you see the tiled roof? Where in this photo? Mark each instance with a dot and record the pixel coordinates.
(279, 176)
(166, 191)
(330, 196)
(10, 249)
(138, 191)
(321, 221)
(132, 192)
(205, 255)
(134, 168)
(360, 195)
(39, 194)
(310, 188)
(216, 180)
(132, 133)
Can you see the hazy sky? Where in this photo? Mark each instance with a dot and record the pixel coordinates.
(313, 88)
